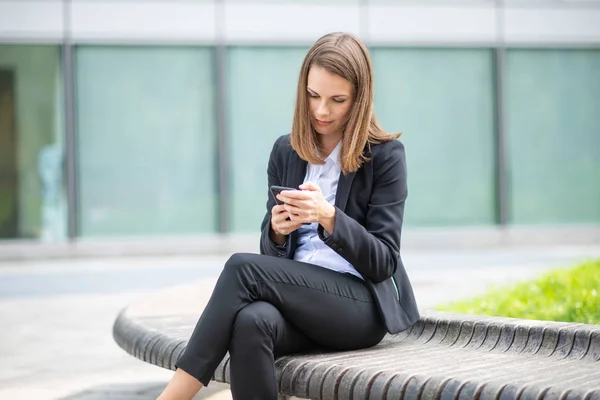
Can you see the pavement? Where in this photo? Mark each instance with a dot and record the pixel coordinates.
(56, 315)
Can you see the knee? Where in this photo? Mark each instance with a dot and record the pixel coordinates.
(258, 317)
(242, 266)
(238, 260)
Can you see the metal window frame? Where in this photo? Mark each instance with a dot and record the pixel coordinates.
(502, 185)
(220, 64)
(71, 167)
(221, 93)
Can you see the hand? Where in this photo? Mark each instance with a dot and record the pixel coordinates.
(308, 205)
(281, 225)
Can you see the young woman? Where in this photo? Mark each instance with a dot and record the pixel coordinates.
(329, 274)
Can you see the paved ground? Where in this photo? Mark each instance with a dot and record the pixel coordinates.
(56, 316)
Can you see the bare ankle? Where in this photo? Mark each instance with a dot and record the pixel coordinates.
(182, 386)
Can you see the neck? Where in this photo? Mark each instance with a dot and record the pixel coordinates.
(328, 143)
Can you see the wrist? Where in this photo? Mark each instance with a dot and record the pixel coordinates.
(331, 214)
(328, 215)
(277, 237)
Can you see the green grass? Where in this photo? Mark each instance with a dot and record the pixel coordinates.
(570, 295)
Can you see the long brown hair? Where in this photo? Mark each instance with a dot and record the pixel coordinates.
(345, 55)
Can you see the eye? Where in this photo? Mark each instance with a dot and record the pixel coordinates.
(314, 96)
(339, 101)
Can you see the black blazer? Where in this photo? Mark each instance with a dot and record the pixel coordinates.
(368, 223)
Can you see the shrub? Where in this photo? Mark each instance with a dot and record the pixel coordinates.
(569, 295)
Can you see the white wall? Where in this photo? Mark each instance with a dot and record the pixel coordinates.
(426, 22)
(33, 20)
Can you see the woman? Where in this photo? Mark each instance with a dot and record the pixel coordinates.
(329, 274)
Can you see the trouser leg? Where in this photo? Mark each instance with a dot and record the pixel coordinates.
(260, 333)
(332, 309)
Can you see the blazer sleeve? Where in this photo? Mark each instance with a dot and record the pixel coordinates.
(267, 246)
(374, 249)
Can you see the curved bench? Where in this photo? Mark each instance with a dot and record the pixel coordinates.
(443, 356)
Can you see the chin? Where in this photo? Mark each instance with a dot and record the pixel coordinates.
(322, 131)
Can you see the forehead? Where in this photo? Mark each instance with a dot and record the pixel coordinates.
(327, 83)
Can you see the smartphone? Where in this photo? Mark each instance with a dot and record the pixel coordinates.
(275, 190)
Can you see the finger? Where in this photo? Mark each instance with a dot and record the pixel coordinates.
(277, 209)
(295, 211)
(286, 195)
(300, 203)
(309, 186)
(300, 217)
(286, 227)
(297, 205)
(288, 219)
(291, 227)
(291, 208)
(281, 217)
(304, 218)
(286, 200)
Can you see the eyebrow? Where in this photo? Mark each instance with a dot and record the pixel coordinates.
(335, 95)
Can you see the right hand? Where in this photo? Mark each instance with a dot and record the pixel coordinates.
(280, 224)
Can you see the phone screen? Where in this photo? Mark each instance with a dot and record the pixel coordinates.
(275, 190)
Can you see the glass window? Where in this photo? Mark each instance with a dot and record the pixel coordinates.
(553, 131)
(146, 140)
(32, 189)
(261, 86)
(442, 100)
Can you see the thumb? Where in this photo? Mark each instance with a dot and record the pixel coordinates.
(310, 186)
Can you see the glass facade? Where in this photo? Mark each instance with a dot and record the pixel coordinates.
(32, 188)
(147, 136)
(553, 133)
(261, 95)
(146, 140)
(442, 100)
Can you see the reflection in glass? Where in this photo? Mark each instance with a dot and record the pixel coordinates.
(32, 190)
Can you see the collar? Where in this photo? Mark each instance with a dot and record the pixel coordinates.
(335, 154)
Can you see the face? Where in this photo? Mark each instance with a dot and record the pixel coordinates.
(330, 101)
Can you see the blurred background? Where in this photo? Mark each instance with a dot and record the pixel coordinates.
(147, 118)
(143, 128)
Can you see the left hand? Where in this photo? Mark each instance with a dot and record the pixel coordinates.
(307, 205)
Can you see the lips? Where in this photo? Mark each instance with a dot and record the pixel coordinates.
(323, 123)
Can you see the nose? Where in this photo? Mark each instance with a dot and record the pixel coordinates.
(322, 109)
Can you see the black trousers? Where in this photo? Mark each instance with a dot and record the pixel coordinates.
(264, 307)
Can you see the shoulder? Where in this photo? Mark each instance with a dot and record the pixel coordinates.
(392, 150)
(281, 150)
(282, 145)
(389, 162)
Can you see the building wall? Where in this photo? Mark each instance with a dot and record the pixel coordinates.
(176, 105)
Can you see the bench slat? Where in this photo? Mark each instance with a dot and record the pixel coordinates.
(443, 356)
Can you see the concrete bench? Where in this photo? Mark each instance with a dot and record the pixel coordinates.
(443, 356)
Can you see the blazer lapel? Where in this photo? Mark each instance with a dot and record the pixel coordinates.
(296, 174)
(297, 171)
(343, 190)
(295, 177)
(345, 183)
